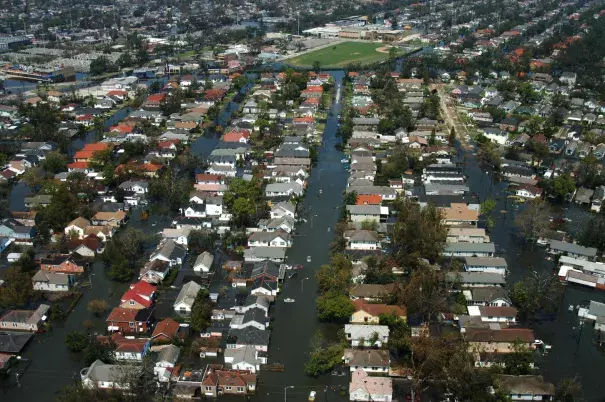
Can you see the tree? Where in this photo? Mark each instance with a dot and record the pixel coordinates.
(533, 220)
(418, 233)
(487, 207)
(336, 308)
(33, 177)
(335, 276)
(520, 361)
(316, 66)
(125, 60)
(201, 311)
(55, 162)
(101, 65)
(324, 357)
(98, 307)
(17, 290)
(378, 271)
(246, 200)
(568, 390)
(561, 185)
(452, 137)
(537, 293)
(97, 351)
(424, 294)
(76, 341)
(121, 271)
(201, 240)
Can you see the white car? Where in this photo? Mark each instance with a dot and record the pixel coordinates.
(288, 300)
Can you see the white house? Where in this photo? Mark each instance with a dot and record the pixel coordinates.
(184, 301)
(244, 358)
(494, 314)
(283, 209)
(496, 265)
(362, 240)
(103, 376)
(166, 361)
(284, 189)
(270, 239)
(203, 262)
(179, 236)
(376, 361)
(367, 335)
(51, 282)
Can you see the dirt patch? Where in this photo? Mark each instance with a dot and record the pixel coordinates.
(383, 49)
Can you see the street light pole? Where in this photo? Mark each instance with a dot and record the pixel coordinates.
(286, 392)
(302, 285)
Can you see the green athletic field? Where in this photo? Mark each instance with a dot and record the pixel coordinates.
(341, 54)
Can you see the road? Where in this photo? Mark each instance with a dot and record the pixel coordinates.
(450, 115)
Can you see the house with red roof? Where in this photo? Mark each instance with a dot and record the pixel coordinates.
(242, 136)
(85, 120)
(154, 101)
(151, 169)
(166, 330)
(78, 166)
(126, 349)
(128, 321)
(218, 381)
(121, 128)
(369, 313)
(118, 94)
(369, 199)
(140, 295)
(313, 92)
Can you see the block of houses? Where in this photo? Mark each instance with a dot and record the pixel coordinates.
(365, 388)
(203, 262)
(475, 279)
(375, 361)
(366, 335)
(24, 320)
(128, 321)
(571, 250)
(257, 254)
(48, 281)
(369, 313)
(186, 297)
(469, 250)
(499, 341)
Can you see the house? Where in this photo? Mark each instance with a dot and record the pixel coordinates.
(498, 340)
(203, 262)
(24, 320)
(127, 320)
(248, 336)
(367, 335)
(244, 358)
(487, 296)
(103, 376)
(13, 342)
(154, 271)
(63, 264)
(186, 297)
(475, 279)
(528, 191)
(254, 317)
(460, 214)
(583, 195)
(362, 240)
(257, 254)
(469, 250)
(370, 292)
(568, 78)
(503, 314)
(373, 361)
(467, 235)
(170, 252)
(114, 219)
(495, 134)
(166, 362)
(571, 250)
(52, 282)
(486, 264)
(282, 209)
(218, 381)
(361, 213)
(525, 387)
(179, 236)
(365, 388)
(86, 247)
(369, 313)
(284, 189)
(165, 331)
(77, 227)
(129, 349)
(140, 295)
(284, 224)
(13, 229)
(270, 239)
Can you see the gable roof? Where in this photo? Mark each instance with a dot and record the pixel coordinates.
(377, 309)
(188, 294)
(167, 327)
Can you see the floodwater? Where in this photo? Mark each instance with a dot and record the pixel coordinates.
(573, 352)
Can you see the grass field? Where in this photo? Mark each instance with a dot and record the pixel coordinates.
(340, 55)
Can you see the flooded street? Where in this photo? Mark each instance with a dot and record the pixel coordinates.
(573, 352)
